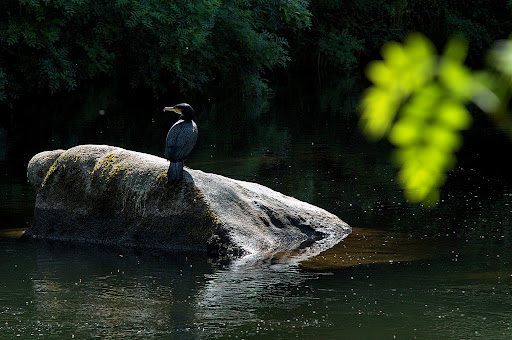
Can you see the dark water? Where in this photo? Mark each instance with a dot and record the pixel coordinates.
(408, 273)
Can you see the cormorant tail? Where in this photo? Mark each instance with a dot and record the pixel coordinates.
(175, 171)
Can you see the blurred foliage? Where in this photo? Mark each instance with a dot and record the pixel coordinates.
(51, 46)
(418, 101)
(498, 80)
(346, 35)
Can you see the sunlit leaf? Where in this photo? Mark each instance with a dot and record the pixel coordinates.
(379, 109)
(418, 46)
(457, 78)
(439, 159)
(500, 56)
(394, 54)
(405, 132)
(418, 101)
(423, 104)
(487, 96)
(421, 182)
(443, 139)
(379, 73)
(454, 115)
(422, 59)
(456, 50)
(418, 180)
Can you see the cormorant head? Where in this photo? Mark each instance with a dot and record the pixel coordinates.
(185, 111)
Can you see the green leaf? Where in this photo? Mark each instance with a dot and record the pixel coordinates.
(457, 79)
(443, 139)
(378, 111)
(405, 132)
(379, 73)
(418, 101)
(453, 115)
(394, 55)
(456, 50)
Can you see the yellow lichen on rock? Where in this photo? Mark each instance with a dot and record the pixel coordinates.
(51, 170)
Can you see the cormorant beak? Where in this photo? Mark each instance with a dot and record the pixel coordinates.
(172, 109)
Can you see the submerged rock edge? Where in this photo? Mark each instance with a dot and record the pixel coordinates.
(108, 195)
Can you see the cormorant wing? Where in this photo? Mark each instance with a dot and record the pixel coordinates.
(181, 139)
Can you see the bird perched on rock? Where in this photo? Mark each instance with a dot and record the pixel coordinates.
(181, 139)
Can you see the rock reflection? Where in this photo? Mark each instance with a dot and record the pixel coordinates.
(246, 291)
(11, 233)
(241, 293)
(95, 293)
(368, 246)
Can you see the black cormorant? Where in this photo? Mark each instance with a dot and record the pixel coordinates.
(181, 139)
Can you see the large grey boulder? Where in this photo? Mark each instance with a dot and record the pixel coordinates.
(108, 195)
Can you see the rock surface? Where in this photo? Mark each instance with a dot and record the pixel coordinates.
(108, 195)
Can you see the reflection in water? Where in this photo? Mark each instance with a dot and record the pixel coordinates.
(61, 291)
(458, 285)
(232, 296)
(11, 233)
(239, 295)
(93, 292)
(367, 246)
(255, 298)
(105, 303)
(97, 293)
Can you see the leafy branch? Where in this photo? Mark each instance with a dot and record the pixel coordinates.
(418, 102)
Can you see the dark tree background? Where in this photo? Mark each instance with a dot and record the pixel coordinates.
(49, 47)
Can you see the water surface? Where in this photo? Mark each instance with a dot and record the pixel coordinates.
(405, 272)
